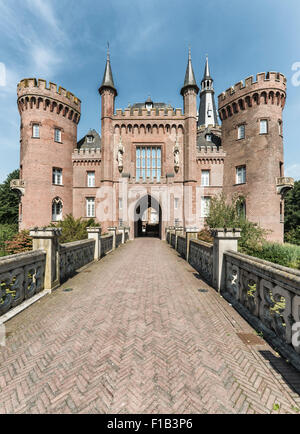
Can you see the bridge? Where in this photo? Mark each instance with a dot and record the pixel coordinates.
(140, 332)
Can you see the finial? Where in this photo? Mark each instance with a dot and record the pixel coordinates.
(107, 50)
(190, 55)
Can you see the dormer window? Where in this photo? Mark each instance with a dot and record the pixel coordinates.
(149, 104)
(90, 139)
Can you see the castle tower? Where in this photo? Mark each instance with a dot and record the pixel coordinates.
(207, 108)
(49, 119)
(108, 93)
(189, 92)
(251, 115)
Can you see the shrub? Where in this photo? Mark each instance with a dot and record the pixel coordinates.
(287, 255)
(293, 236)
(7, 231)
(225, 214)
(73, 229)
(205, 235)
(21, 242)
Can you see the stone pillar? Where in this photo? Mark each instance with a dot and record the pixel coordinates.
(113, 231)
(122, 230)
(191, 234)
(179, 230)
(94, 233)
(224, 239)
(47, 239)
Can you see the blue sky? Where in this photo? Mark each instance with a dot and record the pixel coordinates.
(64, 41)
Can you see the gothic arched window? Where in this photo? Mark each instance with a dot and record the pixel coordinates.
(57, 207)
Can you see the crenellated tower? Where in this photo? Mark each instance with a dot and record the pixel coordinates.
(251, 114)
(49, 119)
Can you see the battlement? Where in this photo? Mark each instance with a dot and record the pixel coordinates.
(264, 81)
(87, 154)
(153, 113)
(34, 87)
(210, 150)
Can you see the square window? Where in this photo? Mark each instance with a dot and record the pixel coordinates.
(57, 176)
(205, 175)
(241, 175)
(241, 132)
(263, 129)
(90, 207)
(57, 135)
(36, 131)
(91, 179)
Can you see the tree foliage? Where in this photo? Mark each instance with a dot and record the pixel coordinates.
(21, 242)
(73, 229)
(9, 200)
(225, 213)
(292, 215)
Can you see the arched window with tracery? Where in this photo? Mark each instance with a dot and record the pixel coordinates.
(57, 207)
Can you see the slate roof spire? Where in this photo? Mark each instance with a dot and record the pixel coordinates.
(108, 81)
(207, 109)
(189, 80)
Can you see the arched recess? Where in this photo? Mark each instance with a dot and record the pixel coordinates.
(142, 226)
(57, 209)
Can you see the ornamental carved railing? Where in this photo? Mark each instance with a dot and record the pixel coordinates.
(74, 256)
(201, 258)
(118, 239)
(173, 240)
(21, 277)
(106, 244)
(181, 245)
(268, 291)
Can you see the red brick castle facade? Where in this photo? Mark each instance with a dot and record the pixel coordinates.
(153, 164)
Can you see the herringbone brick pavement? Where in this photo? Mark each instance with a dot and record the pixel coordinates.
(139, 333)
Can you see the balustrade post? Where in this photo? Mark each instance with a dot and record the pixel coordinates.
(191, 234)
(224, 239)
(113, 232)
(47, 239)
(94, 233)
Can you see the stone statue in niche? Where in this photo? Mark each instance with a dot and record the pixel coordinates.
(176, 156)
(120, 155)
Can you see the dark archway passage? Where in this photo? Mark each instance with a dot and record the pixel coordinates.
(147, 217)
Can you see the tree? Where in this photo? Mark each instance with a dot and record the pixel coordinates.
(9, 200)
(224, 213)
(73, 229)
(292, 215)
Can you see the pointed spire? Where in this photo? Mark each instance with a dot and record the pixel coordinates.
(207, 109)
(206, 69)
(108, 80)
(189, 80)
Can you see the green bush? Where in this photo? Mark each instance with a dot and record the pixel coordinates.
(73, 229)
(7, 232)
(293, 236)
(224, 213)
(21, 242)
(287, 255)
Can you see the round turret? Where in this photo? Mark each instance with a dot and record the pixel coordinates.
(49, 119)
(251, 115)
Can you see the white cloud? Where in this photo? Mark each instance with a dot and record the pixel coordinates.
(293, 171)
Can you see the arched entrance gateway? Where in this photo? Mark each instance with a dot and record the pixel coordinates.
(147, 217)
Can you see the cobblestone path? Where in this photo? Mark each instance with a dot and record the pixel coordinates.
(139, 333)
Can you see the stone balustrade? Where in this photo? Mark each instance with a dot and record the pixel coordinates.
(201, 258)
(268, 291)
(106, 244)
(266, 294)
(24, 275)
(21, 277)
(173, 240)
(75, 255)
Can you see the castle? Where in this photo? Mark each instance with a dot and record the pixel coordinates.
(153, 166)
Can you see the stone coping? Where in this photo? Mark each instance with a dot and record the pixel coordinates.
(20, 259)
(202, 243)
(75, 244)
(270, 270)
